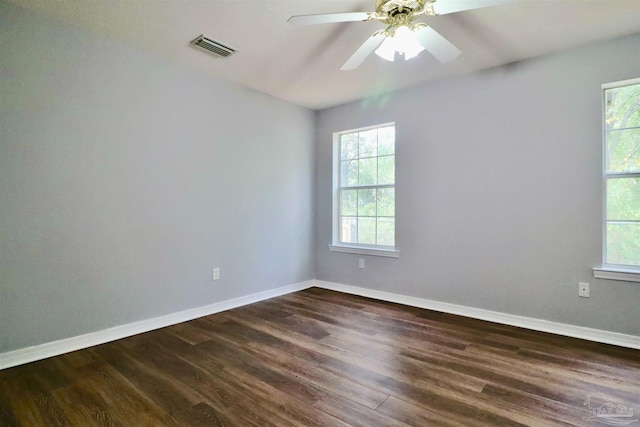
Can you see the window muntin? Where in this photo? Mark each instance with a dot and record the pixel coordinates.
(365, 191)
(622, 175)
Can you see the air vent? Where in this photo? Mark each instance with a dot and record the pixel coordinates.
(215, 48)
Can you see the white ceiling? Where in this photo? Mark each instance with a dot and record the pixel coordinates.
(302, 64)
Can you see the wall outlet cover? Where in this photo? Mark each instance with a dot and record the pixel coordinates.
(583, 289)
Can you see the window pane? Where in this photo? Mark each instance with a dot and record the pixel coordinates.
(349, 173)
(348, 230)
(386, 231)
(623, 243)
(386, 202)
(366, 161)
(366, 202)
(367, 231)
(386, 170)
(368, 171)
(623, 199)
(386, 141)
(349, 146)
(368, 143)
(622, 107)
(623, 150)
(349, 202)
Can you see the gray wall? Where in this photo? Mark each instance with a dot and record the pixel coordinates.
(125, 178)
(498, 190)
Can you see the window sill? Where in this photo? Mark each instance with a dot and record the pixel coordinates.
(389, 253)
(616, 274)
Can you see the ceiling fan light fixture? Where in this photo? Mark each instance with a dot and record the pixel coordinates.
(387, 49)
(403, 33)
(402, 40)
(407, 43)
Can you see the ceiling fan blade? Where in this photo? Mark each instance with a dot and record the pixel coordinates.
(328, 18)
(437, 45)
(442, 7)
(363, 51)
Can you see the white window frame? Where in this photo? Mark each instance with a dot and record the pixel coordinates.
(354, 248)
(627, 273)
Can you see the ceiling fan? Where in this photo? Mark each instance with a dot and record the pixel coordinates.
(402, 35)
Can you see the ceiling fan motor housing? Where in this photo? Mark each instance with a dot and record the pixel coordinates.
(388, 9)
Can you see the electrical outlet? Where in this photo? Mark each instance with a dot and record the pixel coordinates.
(583, 289)
(361, 262)
(216, 273)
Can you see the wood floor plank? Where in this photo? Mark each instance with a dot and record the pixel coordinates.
(249, 410)
(79, 358)
(7, 416)
(254, 347)
(256, 416)
(188, 332)
(355, 414)
(203, 415)
(155, 385)
(324, 378)
(186, 376)
(322, 358)
(84, 407)
(417, 369)
(259, 370)
(415, 415)
(134, 407)
(283, 404)
(25, 400)
(271, 397)
(551, 411)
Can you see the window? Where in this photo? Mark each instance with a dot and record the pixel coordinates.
(364, 191)
(621, 173)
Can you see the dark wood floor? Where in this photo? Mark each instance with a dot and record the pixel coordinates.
(321, 358)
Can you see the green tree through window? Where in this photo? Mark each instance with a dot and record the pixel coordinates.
(622, 174)
(365, 194)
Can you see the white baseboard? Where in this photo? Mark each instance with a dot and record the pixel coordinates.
(55, 348)
(597, 335)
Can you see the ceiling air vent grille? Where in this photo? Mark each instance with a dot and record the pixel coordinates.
(215, 48)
